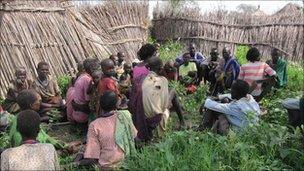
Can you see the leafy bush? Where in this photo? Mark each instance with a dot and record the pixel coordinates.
(240, 54)
(63, 83)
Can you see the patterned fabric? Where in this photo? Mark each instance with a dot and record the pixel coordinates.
(199, 58)
(237, 112)
(101, 143)
(125, 132)
(30, 157)
(251, 72)
(155, 98)
(47, 91)
(10, 103)
(79, 94)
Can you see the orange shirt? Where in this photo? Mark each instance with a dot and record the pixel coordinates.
(107, 84)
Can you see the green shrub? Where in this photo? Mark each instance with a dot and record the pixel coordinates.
(240, 54)
(63, 83)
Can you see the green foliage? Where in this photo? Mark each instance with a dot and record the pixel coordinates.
(262, 147)
(170, 50)
(63, 83)
(240, 54)
(4, 140)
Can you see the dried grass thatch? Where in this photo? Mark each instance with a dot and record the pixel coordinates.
(59, 33)
(283, 30)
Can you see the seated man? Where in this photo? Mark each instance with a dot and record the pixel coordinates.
(30, 155)
(188, 72)
(111, 137)
(195, 57)
(295, 108)
(150, 102)
(280, 66)
(238, 113)
(17, 85)
(226, 72)
(209, 65)
(257, 74)
(48, 89)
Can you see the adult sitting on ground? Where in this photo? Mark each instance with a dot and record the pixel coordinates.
(150, 103)
(209, 65)
(110, 137)
(238, 113)
(145, 52)
(259, 75)
(48, 89)
(280, 66)
(295, 108)
(29, 100)
(31, 155)
(17, 85)
(77, 97)
(227, 71)
(192, 56)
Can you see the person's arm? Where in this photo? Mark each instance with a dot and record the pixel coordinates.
(200, 58)
(241, 75)
(217, 107)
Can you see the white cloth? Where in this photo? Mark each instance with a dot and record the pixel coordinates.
(293, 104)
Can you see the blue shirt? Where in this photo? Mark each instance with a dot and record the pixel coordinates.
(198, 58)
(239, 113)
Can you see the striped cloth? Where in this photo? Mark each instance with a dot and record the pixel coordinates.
(254, 71)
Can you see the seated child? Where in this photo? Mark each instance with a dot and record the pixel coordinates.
(31, 155)
(111, 136)
(236, 113)
(29, 100)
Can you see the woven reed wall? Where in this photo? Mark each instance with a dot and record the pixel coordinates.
(283, 30)
(61, 34)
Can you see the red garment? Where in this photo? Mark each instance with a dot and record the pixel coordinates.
(191, 89)
(106, 84)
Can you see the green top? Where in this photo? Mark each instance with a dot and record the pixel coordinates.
(281, 70)
(16, 138)
(183, 70)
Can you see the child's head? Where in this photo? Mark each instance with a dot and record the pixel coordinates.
(127, 68)
(214, 54)
(108, 68)
(108, 101)
(96, 75)
(28, 122)
(239, 89)
(114, 58)
(186, 58)
(253, 55)
(121, 57)
(90, 65)
(155, 64)
(29, 99)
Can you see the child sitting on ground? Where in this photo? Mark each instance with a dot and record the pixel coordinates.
(31, 155)
(110, 137)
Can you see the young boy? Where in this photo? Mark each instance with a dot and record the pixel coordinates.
(278, 64)
(111, 136)
(31, 155)
(108, 82)
(235, 113)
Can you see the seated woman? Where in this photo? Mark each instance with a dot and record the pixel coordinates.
(31, 155)
(238, 113)
(295, 108)
(257, 74)
(48, 89)
(110, 137)
(29, 100)
(77, 100)
(17, 85)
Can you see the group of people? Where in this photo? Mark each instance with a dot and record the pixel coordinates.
(120, 104)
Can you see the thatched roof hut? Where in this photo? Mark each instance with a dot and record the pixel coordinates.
(59, 33)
